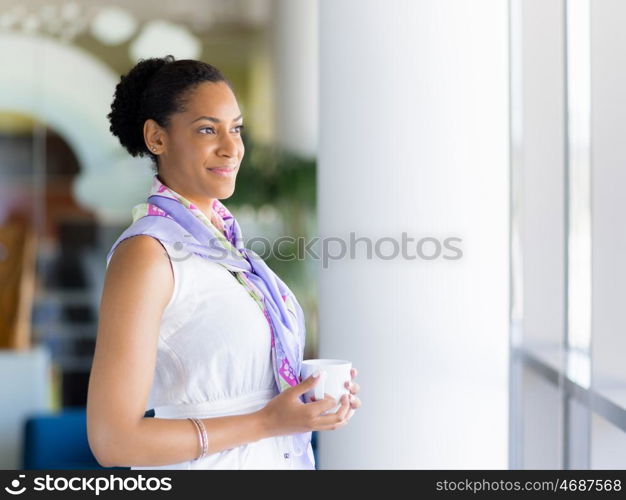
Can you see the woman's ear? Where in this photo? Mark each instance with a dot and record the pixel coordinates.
(153, 136)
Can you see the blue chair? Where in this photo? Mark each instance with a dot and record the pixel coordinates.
(58, 441)
(314, 448)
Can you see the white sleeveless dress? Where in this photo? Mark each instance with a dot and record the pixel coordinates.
(214, 359)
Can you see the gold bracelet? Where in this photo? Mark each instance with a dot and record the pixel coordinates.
(202, 436)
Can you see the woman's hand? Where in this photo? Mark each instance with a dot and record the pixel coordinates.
(353, 387)
(286, 414)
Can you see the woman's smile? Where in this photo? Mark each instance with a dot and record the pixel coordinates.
(223, 171)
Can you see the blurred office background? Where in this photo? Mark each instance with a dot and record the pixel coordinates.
(495, 122)
(67, 186)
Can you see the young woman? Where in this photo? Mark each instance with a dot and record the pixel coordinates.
(210, 345)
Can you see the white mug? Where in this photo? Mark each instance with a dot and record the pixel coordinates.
(334, 373)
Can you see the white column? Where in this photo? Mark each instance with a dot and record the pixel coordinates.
(414, 138)
(295, 56)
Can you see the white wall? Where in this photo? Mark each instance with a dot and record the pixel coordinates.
(414, 137)
(26, 392)
(608, 184)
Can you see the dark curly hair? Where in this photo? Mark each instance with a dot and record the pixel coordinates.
(155, 88)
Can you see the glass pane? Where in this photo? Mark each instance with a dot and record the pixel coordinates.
(542, 428)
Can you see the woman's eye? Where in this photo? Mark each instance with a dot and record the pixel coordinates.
(238, 128)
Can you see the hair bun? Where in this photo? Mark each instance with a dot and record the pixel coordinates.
(125, 115)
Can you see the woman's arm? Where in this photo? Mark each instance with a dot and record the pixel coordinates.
(138, 285)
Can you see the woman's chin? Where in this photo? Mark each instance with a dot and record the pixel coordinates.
(225, 193)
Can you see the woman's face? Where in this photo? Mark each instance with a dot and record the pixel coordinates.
(207, 135)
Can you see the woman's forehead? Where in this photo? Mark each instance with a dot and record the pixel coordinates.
(213, 101)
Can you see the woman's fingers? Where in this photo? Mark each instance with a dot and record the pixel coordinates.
(335, 426)
(355, 402)
(337, 418)
(353, 387)
(345, 406)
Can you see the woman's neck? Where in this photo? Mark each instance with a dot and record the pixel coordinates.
(205, 205)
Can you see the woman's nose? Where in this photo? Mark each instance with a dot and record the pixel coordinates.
(228, 146)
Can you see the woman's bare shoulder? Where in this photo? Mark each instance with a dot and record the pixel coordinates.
(142, 260)
(140, 247)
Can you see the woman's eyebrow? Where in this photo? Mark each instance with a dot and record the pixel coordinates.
(213, 119)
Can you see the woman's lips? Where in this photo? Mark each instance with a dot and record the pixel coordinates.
(223, 171)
